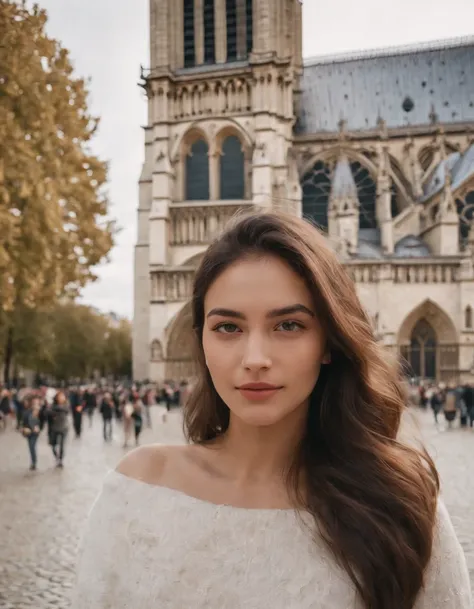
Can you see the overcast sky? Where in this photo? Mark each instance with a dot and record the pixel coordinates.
(108, 40)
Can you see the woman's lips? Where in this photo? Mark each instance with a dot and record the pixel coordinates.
(258, 392)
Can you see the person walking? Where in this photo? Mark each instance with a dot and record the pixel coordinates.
(59, 426)
(450, 404)
(294, 488)
(76, 399)
(468, 395)
(436, 403)
(30, 426)
(107, 409)
(137, 417)
(127, 422)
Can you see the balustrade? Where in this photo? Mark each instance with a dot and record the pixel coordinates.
(200, 224)
(171, 285)
(405, 273)
(232, 95)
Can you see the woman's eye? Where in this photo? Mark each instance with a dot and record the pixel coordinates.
(290, 326)
(227, 328)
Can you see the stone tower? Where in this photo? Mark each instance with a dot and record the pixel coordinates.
(222, 88)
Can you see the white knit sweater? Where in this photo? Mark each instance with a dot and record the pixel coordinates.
(150, 547)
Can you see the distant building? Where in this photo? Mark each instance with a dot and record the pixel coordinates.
(377, 147)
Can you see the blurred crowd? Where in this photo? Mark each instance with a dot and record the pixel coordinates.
(53, 411)
(454, 402)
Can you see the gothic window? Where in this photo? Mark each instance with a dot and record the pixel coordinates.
(197, 172)
(468, 318)
(231, 22)
(188, 29)
(232, 169)
(422, 353)
(209, 32)
(249, 18)
(465, 209)
(316, 189)
(367, 194)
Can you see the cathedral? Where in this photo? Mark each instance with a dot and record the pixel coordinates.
(375, 147)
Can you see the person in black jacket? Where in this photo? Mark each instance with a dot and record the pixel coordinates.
(107, 411)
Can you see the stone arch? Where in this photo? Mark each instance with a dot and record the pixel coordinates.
(428, 343)
(435, 316)
(234, 162)
(193, 261)
(195, 174)
(180, 363)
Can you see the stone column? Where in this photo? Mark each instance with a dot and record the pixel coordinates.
(220, 27)
(198, 31)
(262, 26)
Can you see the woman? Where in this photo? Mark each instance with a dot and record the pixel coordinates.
(293, 490)
(59, 426)
(30, 427)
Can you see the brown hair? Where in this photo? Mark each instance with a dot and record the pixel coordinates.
(373, 498)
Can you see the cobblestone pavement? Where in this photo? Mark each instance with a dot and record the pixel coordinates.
(42, 513)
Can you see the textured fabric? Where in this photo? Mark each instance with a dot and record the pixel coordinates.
(149, 547)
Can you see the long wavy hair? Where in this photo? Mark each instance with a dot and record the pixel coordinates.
(373, 498)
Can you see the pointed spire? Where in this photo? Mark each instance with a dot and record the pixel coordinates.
(343, 183)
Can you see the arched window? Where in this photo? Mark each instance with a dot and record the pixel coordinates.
(316, 188)
(209, 32)
(197, 172)
(156, 351)
(422, 355)
(249, 19)
(232, 169)
(465, 209)
(188, 34)
(231, 24)
(367, 194)
(468, 318)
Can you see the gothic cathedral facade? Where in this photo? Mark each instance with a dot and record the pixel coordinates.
(377, 148)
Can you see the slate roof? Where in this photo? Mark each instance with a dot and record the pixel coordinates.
(461, 168)
(403, 86)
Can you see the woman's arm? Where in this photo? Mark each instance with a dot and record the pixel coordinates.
(447, 583)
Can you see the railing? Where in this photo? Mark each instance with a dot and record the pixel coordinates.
(223, 96)
(404, 272)
(171, 285)
(198, 223)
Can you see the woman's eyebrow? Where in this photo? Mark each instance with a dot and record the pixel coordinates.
(290, 309)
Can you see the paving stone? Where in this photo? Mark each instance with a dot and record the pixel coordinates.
(42, 513)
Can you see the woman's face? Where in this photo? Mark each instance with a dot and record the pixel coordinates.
(263, 343)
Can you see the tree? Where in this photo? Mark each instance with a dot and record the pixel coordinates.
(53, 206)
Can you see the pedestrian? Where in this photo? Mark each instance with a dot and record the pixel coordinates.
(90, 404)
(137, 417)
(107, 409)
(59, 426)
(436, 402)
(31, 427)
(450, 405)
(469, 400)
(127, 422)
(76, 399)
(147, 404)
(295, 488)
(5, 407)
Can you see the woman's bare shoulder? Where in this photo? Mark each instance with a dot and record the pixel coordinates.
(151, 463)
